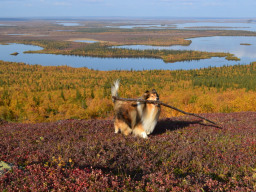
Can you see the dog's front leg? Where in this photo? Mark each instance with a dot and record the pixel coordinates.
(139, 131)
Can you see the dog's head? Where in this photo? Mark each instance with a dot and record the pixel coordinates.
(151, 95)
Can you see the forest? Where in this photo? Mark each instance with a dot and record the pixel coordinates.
(33, 93)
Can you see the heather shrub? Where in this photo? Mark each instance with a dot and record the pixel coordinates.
(183, 154)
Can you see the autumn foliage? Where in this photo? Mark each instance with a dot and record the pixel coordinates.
(33, 93)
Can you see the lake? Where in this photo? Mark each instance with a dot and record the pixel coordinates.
(250, 26)
(229, 44)
(144, 26)
(218, 26)
(68, 24)
(86, 41)
(247, 53)
(6, 25)
(17, 34)
(215, 25)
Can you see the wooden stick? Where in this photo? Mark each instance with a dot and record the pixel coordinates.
(161, 103)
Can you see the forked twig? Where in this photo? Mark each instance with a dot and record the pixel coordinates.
(161, 103)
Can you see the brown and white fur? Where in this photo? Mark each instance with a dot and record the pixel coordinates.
(137, 118)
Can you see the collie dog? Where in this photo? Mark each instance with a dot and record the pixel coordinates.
(136, 118)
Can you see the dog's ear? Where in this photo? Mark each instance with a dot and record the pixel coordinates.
(146, 95)
(154, 92)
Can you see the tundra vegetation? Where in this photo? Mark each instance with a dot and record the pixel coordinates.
(183, 154)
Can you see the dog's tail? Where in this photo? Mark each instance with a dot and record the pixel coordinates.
(114, 89)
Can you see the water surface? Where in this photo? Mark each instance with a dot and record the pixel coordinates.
(69, 24)
(196, 26)
(6, 25)
(104, 64)
(17, 34)
(227, 44)
(86, 41)
(218, 26)
(145, 26)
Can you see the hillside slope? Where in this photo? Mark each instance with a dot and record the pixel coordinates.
(183, 154)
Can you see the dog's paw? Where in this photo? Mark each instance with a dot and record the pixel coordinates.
(144, 135)
(147, 132)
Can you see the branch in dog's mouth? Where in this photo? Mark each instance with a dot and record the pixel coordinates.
(157, 102)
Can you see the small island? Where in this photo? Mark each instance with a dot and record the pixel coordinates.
(15, 53)
(245, 44)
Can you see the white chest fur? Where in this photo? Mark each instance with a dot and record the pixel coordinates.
(149, 119)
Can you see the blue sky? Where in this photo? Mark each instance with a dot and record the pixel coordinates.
(135, 8)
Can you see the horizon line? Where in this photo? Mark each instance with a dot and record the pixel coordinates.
(119, 17)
